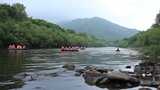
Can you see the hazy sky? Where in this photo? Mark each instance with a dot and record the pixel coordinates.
(139, 14)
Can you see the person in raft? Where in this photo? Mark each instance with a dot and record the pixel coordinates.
(118, 50)
(11, 46)
(19, 46)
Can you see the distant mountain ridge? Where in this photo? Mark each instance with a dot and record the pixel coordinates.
(100, 28)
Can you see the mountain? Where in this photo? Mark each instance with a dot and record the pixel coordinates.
(100, 28)
(16, 28)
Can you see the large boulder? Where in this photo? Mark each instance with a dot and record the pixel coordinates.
(122, 76)
(91, 76)
(112, 79)
(118, 75)
(118, 79)
(92, 68)
(69, 66)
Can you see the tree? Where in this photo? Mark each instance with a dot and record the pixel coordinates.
(16, 27)
(19, 11)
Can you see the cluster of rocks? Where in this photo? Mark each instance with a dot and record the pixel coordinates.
(11, 84)
(105, 78)
(145, 74)
(148, 73)
(27, 76)
(32, 76)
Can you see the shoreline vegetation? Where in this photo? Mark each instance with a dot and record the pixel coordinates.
(17, 28)
(147, 42)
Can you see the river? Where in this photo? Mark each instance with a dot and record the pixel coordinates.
(43, 63)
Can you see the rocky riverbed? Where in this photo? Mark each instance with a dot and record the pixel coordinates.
(144, 74)
(103, 77)
(90, 69)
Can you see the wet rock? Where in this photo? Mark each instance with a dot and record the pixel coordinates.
(69, 66)
(53, 74)
(144, 89)
(149, 83)
(148, 73)
(21, 75)
(26, 76)
(19, 83)
(115, 83)
(31, 78)
(146, 67)
(90, 67)
(39, 88)
(102, 81)
(91, 73)
(77, 74)
(110, 80)
(103, 70)
(6, 83)
(118, 75)
(128, 67)
(158, 88)
(128, 70)
(91, 76)
(123, 77)
(80, 71)
(11, 84)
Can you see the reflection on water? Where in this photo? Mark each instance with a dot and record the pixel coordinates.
(44, 62)
(11, 63)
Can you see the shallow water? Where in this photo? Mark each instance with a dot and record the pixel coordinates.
(43, 63)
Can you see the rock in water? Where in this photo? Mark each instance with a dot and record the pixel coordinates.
(144, 89)
(128, 67)
(121, 80)
(53, 74)
(90, 67)
(110, 80)
(103, 70)
(79, 72)
(158, 88)
(118, 75)
(69, 66)
(91, 76)
(148, 73)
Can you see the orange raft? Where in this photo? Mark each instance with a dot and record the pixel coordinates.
(70, 49)
(16, 47)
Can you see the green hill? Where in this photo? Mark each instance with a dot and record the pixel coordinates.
(100, 28)
(17, 27)
(148, 42)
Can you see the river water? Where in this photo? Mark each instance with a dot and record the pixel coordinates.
(42, 64)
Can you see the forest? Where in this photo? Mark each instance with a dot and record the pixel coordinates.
(146, 41)
(16, 27)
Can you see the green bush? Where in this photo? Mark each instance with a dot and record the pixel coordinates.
(148, 41)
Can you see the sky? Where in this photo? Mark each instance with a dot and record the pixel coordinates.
(138, 14)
